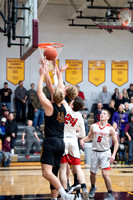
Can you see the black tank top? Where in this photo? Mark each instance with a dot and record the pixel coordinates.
(54, 125)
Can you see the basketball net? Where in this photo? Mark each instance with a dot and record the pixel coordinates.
(125, 16)
(43, 46)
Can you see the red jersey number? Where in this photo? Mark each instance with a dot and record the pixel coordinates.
(99, 139)
(69, 118)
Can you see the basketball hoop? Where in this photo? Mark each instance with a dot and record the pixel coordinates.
(125, 16)
(43, 46)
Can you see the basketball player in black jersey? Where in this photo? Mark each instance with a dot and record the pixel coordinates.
(53, 146)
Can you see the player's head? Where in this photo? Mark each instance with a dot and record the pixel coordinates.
(58, 96)
(70, 93)
(77, 104)
(105, 115)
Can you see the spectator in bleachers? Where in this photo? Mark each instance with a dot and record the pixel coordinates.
(116, 94)
(47, 93)
(104, 97)
(130, 90)
(112, 143)
(125, 95)
(131, 103)
(11, 128)
(85, 114)
(129, 134)
(38, 112)
(2, 129)
(111, 109)
(6, 95)
(121, 118)
(21, 97)
(126, 108)
(119, 101)
(97, 112)
(31, 138)
(3, 107)
(6, 150)
(80, 93)
(31, 96)
(6, 114)
(122, 152)
(1, 155)
(130, 115)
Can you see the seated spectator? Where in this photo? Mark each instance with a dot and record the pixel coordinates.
(31, 138)
(11, 128)
(80, 93)
(38, 112)
(125, 95)
(2, 129)
(47, 93)
(131, 103)
(1, 155)
(85, 114)
(31, 96)
(122, 152)
(120, 117)
(6, 150)
(104, 97)
(129, 134)
(130, 115)
(111, 109)
(126, 108)
(116, 94)
(119, 101)
(6, 95)
(97, 112)
(130, 90)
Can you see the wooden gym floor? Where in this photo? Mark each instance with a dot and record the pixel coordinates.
(24, 181)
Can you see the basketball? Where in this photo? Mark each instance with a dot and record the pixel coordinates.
(50, 53)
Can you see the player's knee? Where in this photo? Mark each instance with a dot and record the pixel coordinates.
(104, 173)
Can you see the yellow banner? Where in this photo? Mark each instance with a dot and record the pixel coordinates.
(119, 72)
(15, 70)
(51, 74)
(74, 71)
(96, 70)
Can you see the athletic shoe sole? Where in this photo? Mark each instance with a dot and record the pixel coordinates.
(75, 188)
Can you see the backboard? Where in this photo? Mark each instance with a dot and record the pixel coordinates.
(29, 27)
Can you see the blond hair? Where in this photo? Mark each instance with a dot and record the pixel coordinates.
(71, 92)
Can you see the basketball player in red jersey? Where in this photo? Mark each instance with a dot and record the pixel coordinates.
(100, 134)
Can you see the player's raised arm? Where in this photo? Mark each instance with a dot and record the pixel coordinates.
(116, 145)
(87, 138)
(47, 105)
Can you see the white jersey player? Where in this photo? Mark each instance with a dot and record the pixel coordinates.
(73, 119)
(100, 134)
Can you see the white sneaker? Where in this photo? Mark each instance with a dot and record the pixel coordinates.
(74, 188)
(85, 194)
(92, 192)
(109, 197)
(78, 197)
(12, 151)
(69, 197)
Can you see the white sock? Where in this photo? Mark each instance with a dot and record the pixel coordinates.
(62, 192)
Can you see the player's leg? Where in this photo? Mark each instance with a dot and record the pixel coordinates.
(54, 181)
(63, 175)
(105, 166)
(94, 167)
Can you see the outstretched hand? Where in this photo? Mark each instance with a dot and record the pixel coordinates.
(43, 69)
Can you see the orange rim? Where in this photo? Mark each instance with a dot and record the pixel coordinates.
(53, 44)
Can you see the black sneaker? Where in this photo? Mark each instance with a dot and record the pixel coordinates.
(74, 188)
